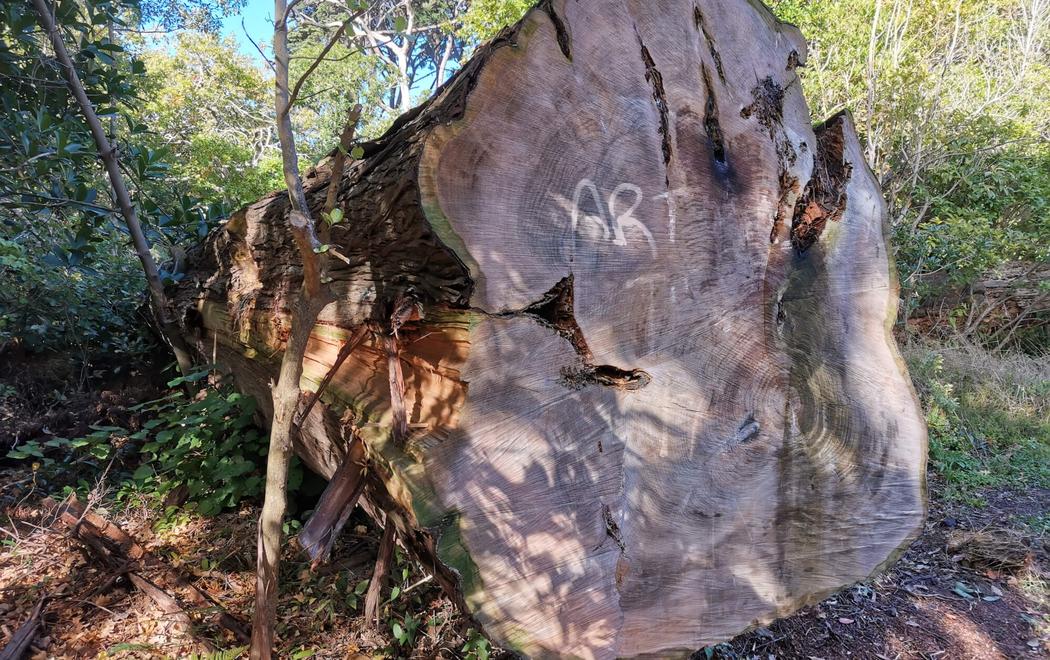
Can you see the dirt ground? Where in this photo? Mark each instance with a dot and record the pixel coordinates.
(976, 584)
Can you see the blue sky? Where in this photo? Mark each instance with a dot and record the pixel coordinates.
(258, 21)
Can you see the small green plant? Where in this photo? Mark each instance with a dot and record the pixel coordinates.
(203, 450)
(97, 444)
(354, 597)
(477, 647)
(208, 447)
(334, 217)
(404, 630)
(988, 420)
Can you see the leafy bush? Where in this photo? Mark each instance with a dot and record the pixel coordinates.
(50, 303)
(208, 446)
(204, 450)
(988, 418)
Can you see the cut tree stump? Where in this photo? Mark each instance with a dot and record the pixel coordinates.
(653, 398)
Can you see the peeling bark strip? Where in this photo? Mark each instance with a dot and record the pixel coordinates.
(608, 380)
(824, 197)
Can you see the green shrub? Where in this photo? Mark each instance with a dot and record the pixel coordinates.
(204, 450)
(208, 445)
(988, 418)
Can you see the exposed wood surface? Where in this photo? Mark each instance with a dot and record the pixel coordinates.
(651, 397)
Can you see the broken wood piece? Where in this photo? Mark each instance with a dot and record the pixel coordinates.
(379, 575)
(119, 551)
(336, 504)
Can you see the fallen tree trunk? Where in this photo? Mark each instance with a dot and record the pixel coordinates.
(653, 398)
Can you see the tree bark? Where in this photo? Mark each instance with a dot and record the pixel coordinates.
(653, 370)
(304, 306)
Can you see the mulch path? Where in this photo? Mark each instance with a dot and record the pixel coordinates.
(933, 603)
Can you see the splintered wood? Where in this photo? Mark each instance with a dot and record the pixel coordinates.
(648, 396)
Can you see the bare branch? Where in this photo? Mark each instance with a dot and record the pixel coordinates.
(317, 61)
(335, 181)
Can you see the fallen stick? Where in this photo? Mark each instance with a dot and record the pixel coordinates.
(115, 546)
(24, 636)
(170, 607)
(382, 567)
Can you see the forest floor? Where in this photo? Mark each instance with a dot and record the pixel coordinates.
(976, 584)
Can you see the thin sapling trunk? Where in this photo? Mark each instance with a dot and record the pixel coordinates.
(108, 153)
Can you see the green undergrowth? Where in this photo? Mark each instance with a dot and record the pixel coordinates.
(988, 418)
(192, 450)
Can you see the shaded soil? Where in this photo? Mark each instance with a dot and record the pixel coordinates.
(935, 602)
(930, 604)
(47, 396)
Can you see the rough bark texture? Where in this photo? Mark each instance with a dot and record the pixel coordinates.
(653, 399)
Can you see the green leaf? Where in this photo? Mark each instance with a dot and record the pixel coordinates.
(964, 590)
(357, 153)
(400, 24)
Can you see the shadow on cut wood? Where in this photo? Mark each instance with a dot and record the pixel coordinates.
(653, 377)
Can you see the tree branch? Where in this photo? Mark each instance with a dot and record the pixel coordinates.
(108, 153)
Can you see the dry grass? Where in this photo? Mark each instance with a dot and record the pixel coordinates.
(997, 549)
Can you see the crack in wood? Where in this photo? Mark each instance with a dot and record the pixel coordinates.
(789, 190)
(748, 430)
(561, 30)
(824, 197)
(606, 375)
(656, 81)
(612, 530)
(555, 310)
(711, 124)
(701, 24)
(767, 104)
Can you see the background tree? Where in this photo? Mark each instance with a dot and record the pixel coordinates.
(953, 102)
(211, 108)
